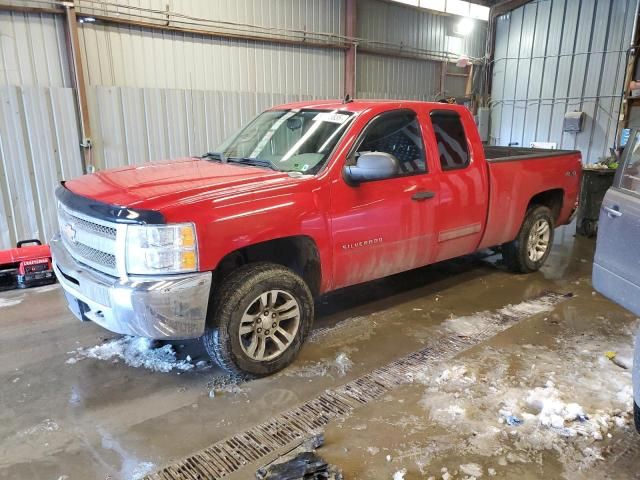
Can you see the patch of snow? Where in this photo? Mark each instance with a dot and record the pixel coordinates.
(71, 361)
(136, 352)
(45, 426)
(472, 469)
(399, 475)
(11, 302)
(142, 470)
(226, 384)
(373, 450)
(343, 363)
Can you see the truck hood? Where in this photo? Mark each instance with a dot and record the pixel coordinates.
(157, 185)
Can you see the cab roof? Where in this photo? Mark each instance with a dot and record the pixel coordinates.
(357, 106)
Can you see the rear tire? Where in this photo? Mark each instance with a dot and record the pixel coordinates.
(249, 302)
(531, 248)
(636, 416)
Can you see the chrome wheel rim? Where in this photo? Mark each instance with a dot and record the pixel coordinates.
(538, 242)
(269, 325)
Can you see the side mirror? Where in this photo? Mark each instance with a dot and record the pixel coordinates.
(372, 166)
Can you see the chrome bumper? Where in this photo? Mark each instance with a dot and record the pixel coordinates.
(169, 307)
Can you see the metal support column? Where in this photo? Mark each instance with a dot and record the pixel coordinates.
(350, 54)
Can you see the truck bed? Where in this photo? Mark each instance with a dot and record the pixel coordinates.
(495, 153)
(514, 181)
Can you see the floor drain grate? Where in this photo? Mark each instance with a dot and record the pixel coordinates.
(230, 455)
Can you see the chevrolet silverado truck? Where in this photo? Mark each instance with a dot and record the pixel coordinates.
(308, 198)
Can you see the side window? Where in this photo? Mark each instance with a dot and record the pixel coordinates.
(397, 133)
(631, 173)
(451, 139)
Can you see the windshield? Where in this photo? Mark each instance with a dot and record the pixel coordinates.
(288, 140)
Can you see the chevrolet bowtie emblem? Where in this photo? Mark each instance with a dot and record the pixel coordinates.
(69, 232)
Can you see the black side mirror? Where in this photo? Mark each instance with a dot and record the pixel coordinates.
(372, 166)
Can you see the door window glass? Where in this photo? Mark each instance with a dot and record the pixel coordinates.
(451, 139)
(631, 173)
(397, 133)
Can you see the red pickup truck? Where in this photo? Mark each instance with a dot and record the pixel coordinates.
(307, 198)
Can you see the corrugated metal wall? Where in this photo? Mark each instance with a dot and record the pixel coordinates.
(556, 56)
(38, 127)
(387, 77)
(178, 94)
(417, 31)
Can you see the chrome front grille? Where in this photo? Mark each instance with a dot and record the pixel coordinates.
(89, 240)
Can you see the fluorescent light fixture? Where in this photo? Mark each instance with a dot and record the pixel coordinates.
(480, 12)
(464, 26)
(458, 7)
(454, 7)
(438, 5)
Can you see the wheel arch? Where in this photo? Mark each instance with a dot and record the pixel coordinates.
(300, 253)
(552, 199)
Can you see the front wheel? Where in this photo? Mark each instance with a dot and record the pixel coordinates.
(528, 252)
(263, 313)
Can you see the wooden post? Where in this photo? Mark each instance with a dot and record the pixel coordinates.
(78, 79)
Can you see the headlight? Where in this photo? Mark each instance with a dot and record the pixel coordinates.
(153, 249)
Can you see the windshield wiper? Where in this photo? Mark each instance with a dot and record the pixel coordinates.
(214, 155)
(257, 162)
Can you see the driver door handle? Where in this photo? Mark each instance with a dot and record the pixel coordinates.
(613, 212)
(424, 195)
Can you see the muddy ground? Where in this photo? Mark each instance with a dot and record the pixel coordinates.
(538, 400)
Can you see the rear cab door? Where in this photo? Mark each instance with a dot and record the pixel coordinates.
(463, 192)
(616, 268)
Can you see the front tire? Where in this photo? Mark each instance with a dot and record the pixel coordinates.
(531, 248)
(263, 313)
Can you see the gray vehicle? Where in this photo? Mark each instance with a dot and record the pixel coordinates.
(616, 268)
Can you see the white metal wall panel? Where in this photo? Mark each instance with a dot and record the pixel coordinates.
(399, 24)
(399, 78)
(32, 50)
(557, 56)
(38, 148)
(268, 17)
(136, 125)
(132, 57)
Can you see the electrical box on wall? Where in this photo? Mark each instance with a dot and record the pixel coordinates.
(573, 122)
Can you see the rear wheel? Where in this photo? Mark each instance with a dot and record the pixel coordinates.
(263, 313)
(531, 248)
(636, 416)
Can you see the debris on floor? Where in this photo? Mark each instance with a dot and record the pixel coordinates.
(136, 352)
(302, 463)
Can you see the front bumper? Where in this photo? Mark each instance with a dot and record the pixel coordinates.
(168, 307)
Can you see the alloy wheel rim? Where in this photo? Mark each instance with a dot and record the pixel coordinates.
(538, 242)
(269, 325)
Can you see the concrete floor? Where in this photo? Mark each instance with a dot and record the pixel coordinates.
(68, 417)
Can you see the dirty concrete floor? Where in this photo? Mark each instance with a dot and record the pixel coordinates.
(91, 418)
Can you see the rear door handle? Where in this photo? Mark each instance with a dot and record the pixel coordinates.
(423, 195)
(613, 212)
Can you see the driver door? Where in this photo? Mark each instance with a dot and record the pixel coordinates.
(385, 226)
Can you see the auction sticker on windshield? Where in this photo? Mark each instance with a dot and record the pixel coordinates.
(331, 117)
